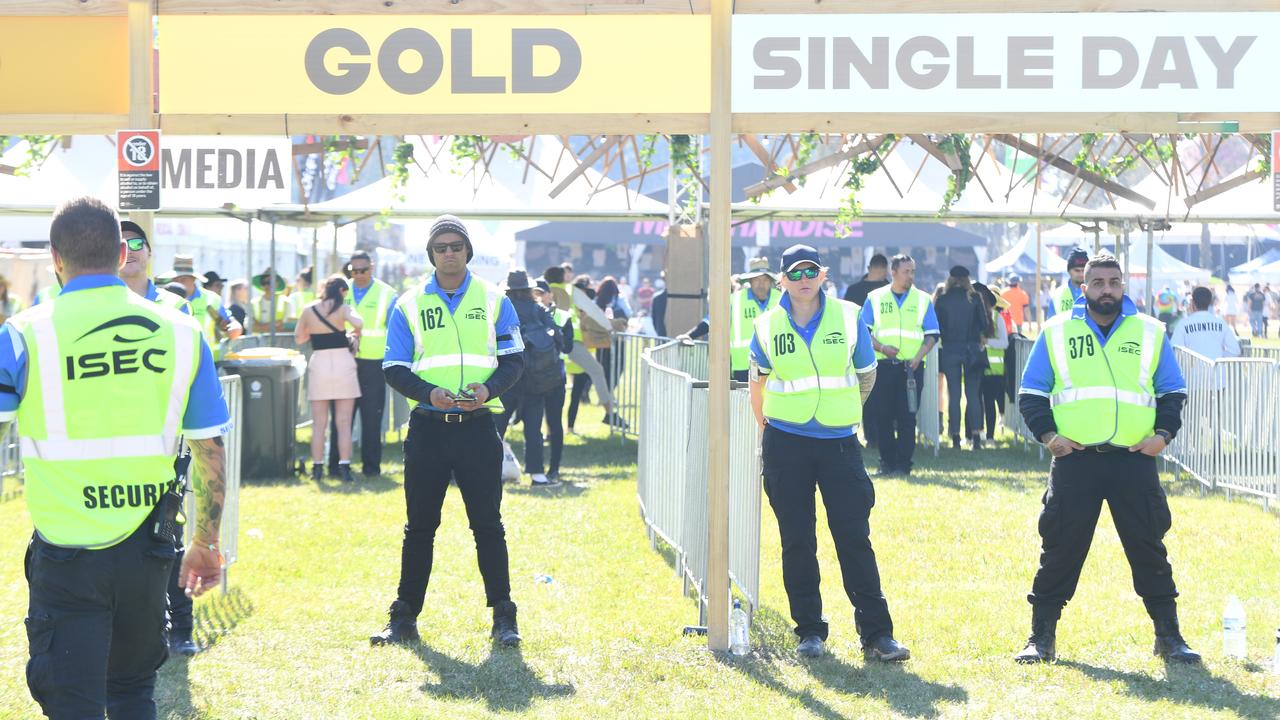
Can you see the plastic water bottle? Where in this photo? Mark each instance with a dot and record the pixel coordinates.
(739, 640)
(1234, 644)
(543, 579)
(913, 395)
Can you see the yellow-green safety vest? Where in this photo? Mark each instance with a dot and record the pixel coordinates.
(93, 472)
(813, 381)
(995, 356)
(454, 349)
(372, 308)
(561, 316)
(901, 327)
(1063, 300)
(173, 300)
(1104, 393)
(201, 302)
(744, 310)
(260, 305)
(47, 293)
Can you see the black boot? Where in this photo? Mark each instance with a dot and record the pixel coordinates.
(1041, 646)
(504, 630)
(955, 442)
(317, 471)
(344, 473)
(1169, 642)
(401, 629)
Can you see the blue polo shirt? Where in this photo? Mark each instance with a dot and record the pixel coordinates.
(930, 317)
(358, 293)
(1038, 378)
(153, 294)
(400, 337)
(864, 360)
(206, 415)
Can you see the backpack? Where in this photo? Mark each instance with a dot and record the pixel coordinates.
(543, 369)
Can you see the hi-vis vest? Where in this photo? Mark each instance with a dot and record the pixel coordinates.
(1104, 393)
(562, 316)
(174, 301)
(201, 302)
(901, 327)
(812, 381)
(1063, 299)
(372, 308)
(995, 357)
(93, 471)
(744, 310)
(453, 350)
(47, 293)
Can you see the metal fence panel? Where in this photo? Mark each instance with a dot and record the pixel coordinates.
(1012, 416)
(627, 358)
(229, 535)
(929, 413)
(10, 461)
(744, 497)
(696, 526)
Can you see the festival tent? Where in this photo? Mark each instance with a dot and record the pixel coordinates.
(1252, 271)
(1021, 259)
(1165, 268)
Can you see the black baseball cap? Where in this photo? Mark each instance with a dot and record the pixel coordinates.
(798, 255)
(135, 228)
(1079, 257)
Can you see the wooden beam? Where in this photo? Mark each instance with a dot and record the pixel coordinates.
(753, 143)
(583, 164)
(980, 123)
(313, 148)
(947, 158)
(772, 183)
(1222, 187)
(1064, 165)
(409, 124)
(743, 7)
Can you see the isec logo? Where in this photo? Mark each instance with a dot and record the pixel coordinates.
(477, 314)
(833, 338)
(1131, 348)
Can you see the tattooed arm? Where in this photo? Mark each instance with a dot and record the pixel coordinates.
(202, 564)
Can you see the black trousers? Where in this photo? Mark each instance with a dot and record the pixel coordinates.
(896, 424)
(963, 368)
(794, 467)
(471, 453)
(180, 622)
(1129, 483)
(369, 406)
(992, 400)
(532, 407)
(578, 393)
(95, 626)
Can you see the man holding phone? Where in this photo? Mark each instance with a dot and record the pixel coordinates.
(453, 345)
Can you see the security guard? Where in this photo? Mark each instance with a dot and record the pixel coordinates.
(206, 307)
(1103, 392)
(816, 367)
(135, 274)
(96, 478)
(1065, 296)
(758, 296)
(453, 344)
(904, 327)
(374, 300)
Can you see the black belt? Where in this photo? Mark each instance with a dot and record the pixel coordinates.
(1106, 448)
(450, 417)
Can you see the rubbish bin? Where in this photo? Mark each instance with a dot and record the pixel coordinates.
(269, 381)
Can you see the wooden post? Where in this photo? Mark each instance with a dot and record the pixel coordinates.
(1151, 282)
(719, 269)
(141, 85)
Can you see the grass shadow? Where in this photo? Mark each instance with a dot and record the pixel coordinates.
(906, 693)
(378, 484)
(214, 619)
(564, 489)
(502, 681)
(1187, 685)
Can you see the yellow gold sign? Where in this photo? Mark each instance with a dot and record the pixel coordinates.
(449, 65)
(55, 65)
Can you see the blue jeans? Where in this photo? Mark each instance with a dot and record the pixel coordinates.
(1255, 322)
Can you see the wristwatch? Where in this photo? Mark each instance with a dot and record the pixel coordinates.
(1168, 436)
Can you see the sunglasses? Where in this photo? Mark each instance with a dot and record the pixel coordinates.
(809, 272)
(135, 244)
(441, 248)
(360, 270)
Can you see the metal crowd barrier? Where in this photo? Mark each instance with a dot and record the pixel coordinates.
(672, 473)
(1230, 437)
(929, 413)
(10, 460)
(626, 360)
(230, 530)
(1013, 417)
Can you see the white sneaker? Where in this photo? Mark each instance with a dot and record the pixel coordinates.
(541, 480)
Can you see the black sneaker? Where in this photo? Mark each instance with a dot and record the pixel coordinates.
(180, 643)
(401, 629)
(344, 474)
(1170, 644)
(811, 646)
(505, 632)
(885, 649)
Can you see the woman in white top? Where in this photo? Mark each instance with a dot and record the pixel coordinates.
(1233, 307)
(331, 373)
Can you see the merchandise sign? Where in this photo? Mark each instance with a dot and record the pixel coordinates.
(1166, 62)
(213, 171)
(138, 169)
(432, 64)
(1275, 167)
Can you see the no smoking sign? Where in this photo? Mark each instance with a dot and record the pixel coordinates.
(138, 169)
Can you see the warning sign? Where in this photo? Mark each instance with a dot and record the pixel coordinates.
(138, 168)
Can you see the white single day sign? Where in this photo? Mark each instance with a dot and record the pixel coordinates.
(1007, 63)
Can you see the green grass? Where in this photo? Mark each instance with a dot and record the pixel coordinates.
(957, 547)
